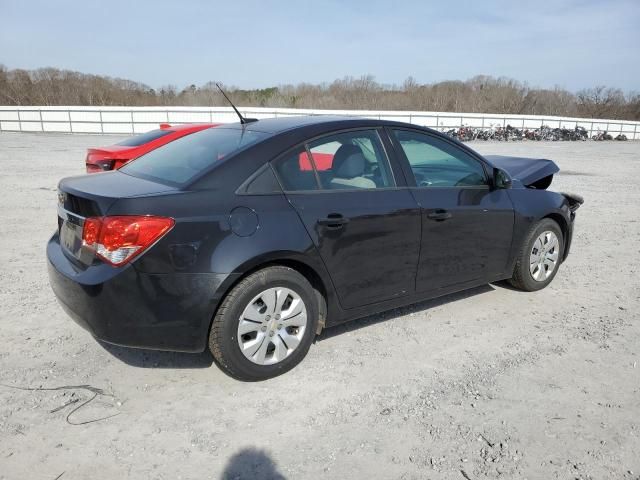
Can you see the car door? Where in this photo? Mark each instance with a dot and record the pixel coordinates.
(467, 225)
(366, 228)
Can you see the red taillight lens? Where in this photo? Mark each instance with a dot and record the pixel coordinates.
(100, 166)
(90, 231)
(118, 239)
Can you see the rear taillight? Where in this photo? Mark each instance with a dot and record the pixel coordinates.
(100, 166)
(118, 239)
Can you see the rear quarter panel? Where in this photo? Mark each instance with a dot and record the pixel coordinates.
(205, 241)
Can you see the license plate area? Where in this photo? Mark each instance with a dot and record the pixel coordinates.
(70, 232)
(70, 237)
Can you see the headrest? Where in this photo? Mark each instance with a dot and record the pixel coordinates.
(348, 162)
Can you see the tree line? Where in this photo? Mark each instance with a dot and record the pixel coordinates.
(480, 94)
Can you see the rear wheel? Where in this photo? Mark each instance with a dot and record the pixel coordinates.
(539, 257)
(265, 325)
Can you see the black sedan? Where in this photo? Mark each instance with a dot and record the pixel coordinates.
(250, 238)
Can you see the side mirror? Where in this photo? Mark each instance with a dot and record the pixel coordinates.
(501, 179)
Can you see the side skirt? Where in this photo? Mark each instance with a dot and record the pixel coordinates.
(360, 312)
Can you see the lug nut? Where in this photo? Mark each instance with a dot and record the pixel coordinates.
(268, 317)
(278, 316)
(279, 326)
(264, 329)
(271, 334)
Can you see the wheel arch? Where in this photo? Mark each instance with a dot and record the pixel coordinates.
(316, 282)
(314, 273)
(564, 228)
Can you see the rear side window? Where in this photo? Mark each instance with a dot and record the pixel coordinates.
(262, 182)
(181, 160)
(323, 155)
(295, 171)
(353, 160)
(144, 138)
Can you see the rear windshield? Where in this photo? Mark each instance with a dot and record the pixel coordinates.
(144, 138)
(181, 160)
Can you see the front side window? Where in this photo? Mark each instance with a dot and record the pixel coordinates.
(437, 163)
(183, 159)
(351, 160)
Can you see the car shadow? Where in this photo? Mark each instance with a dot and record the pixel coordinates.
(251, 464)
(143, 358)
(399, 312)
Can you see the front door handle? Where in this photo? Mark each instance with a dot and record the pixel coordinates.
(333, 220)
(439, 215)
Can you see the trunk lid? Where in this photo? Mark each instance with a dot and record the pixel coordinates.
(532, 172)
(91, 196)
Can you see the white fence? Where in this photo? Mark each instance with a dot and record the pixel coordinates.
(129, 120)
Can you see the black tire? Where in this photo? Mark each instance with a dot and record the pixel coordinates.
(522, 278)
(223, 337)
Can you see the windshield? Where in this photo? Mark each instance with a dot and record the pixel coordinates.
(144, 138)
(181, 160)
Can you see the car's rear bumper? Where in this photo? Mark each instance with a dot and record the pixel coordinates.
(126, 307)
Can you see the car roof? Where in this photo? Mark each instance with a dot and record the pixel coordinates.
(284, 124)
(283, 133)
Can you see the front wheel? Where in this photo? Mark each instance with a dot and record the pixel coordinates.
(265, 325)
(539, 257)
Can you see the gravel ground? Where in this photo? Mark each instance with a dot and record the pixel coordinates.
(484, 384)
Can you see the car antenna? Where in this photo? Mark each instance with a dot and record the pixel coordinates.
(242, 119)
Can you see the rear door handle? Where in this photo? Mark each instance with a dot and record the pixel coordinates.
(333, 220)
(439, 215)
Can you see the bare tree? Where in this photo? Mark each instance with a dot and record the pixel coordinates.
(480, 94)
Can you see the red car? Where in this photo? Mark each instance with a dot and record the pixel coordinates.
(110, 158)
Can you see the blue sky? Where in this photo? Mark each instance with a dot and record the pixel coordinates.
(247, 43)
